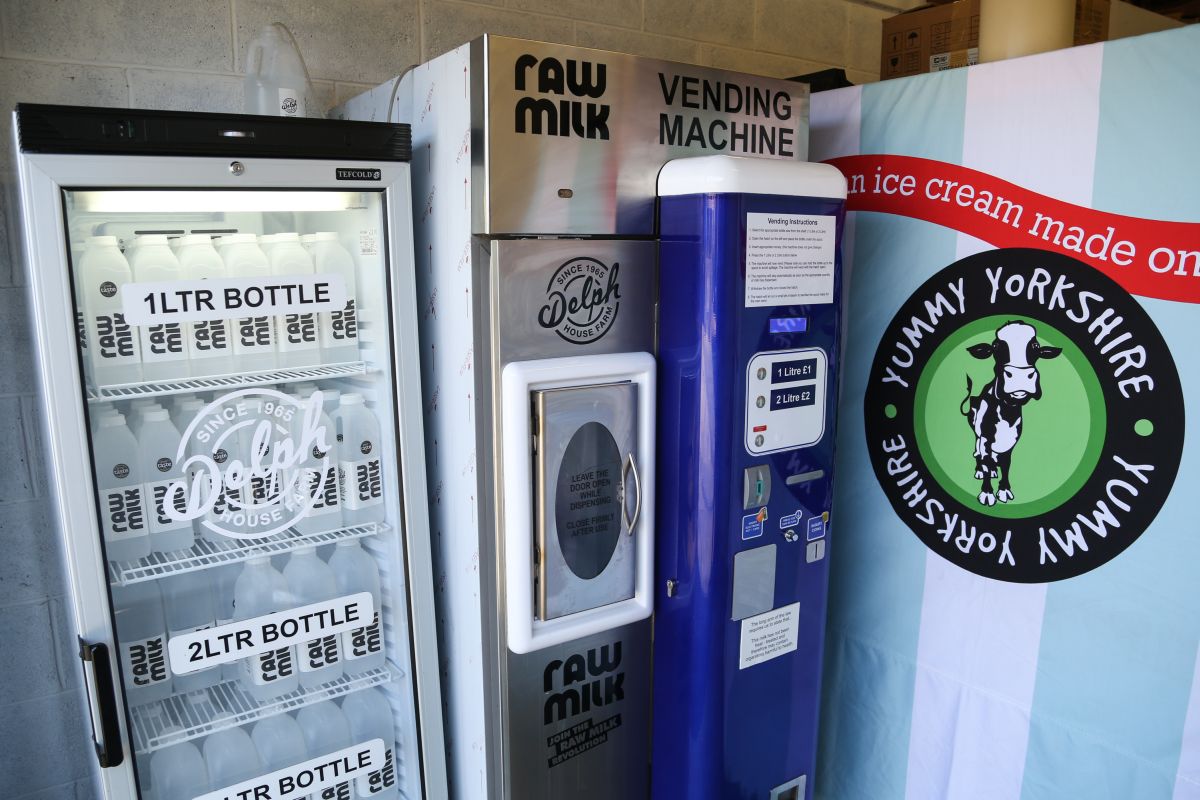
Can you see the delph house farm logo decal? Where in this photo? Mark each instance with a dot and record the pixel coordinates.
(1024, 416)
(582, 300)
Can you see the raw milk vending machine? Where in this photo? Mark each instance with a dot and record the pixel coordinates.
(226, 324)
(534, 170)
(749, 330)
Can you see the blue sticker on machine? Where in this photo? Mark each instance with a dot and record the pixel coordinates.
(752, 524)
(816, 528)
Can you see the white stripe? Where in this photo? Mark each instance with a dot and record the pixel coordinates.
(978, 649)
(835, 123)
(1187, 777)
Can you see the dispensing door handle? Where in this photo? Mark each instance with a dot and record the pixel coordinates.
(108, 746)
(630, 467)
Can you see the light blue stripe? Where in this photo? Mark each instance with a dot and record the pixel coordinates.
(874, 625)
(1119, 644)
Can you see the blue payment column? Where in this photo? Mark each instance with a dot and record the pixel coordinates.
(750, 305)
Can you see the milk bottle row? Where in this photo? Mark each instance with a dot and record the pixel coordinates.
(150, 613)
(144, 471)
(228, 757)
(116, 352)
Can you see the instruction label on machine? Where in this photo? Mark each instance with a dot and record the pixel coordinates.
(789, 259)
(769, 635)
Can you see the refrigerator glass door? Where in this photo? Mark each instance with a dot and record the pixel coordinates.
(237, 356)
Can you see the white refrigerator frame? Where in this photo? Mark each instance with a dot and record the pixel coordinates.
(43, 177)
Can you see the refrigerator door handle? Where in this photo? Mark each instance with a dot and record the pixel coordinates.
(108, 748)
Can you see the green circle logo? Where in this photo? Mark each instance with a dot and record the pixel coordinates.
(1024, 416)
(1059, 436)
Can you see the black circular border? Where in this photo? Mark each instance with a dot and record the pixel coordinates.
(1163, 448)
(615, 306)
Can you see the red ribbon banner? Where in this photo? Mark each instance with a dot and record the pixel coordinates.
(1151, 258)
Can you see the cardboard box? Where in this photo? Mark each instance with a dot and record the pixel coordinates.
(944, 35)
(931, 38)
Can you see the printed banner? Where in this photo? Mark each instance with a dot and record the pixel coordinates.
(1151, 258)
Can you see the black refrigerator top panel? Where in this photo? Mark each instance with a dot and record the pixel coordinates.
(126, 131)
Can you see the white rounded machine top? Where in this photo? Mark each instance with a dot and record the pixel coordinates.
(745, 175)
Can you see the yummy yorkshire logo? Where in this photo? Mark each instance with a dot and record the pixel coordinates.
(1024, 416)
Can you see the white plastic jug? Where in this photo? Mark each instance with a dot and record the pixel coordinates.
(326, 731)
(122, 495)
(297, 333)
(158, 448)
(360, 463)
(211, 339)
(188, 603)
(230, 755)
(177, 772)
(311, 581)
(280, 742)
(315, 488)
(277, 82)
(224, 579)
(253, 337)
(370, 717)
(142, 631)
(112, 345)
(260, 589)
(339, 329)
(165, 345)
(354, 570)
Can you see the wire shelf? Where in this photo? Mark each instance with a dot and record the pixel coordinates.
(194, 712)
(205, 554)
(130, 391)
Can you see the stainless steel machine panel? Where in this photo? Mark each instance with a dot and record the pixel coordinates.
(573, 138)
(570, 297)
(586, 461)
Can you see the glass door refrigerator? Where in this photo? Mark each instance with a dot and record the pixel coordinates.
(226, 327)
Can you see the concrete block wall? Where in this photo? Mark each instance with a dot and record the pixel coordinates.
(188, 55)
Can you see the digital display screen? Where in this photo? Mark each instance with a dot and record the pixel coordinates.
(789, 324)
(804, 369)
(793, 396)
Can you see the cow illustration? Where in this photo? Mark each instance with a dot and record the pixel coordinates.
(995, 413)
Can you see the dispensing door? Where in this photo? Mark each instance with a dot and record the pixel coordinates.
(578, 474)
(587, 496)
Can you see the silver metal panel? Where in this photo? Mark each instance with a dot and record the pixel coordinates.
(753, 582)
(535, 278)
(586, 554)
(485, 412)
(574, 138)
(579, 722)
(514, 281)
